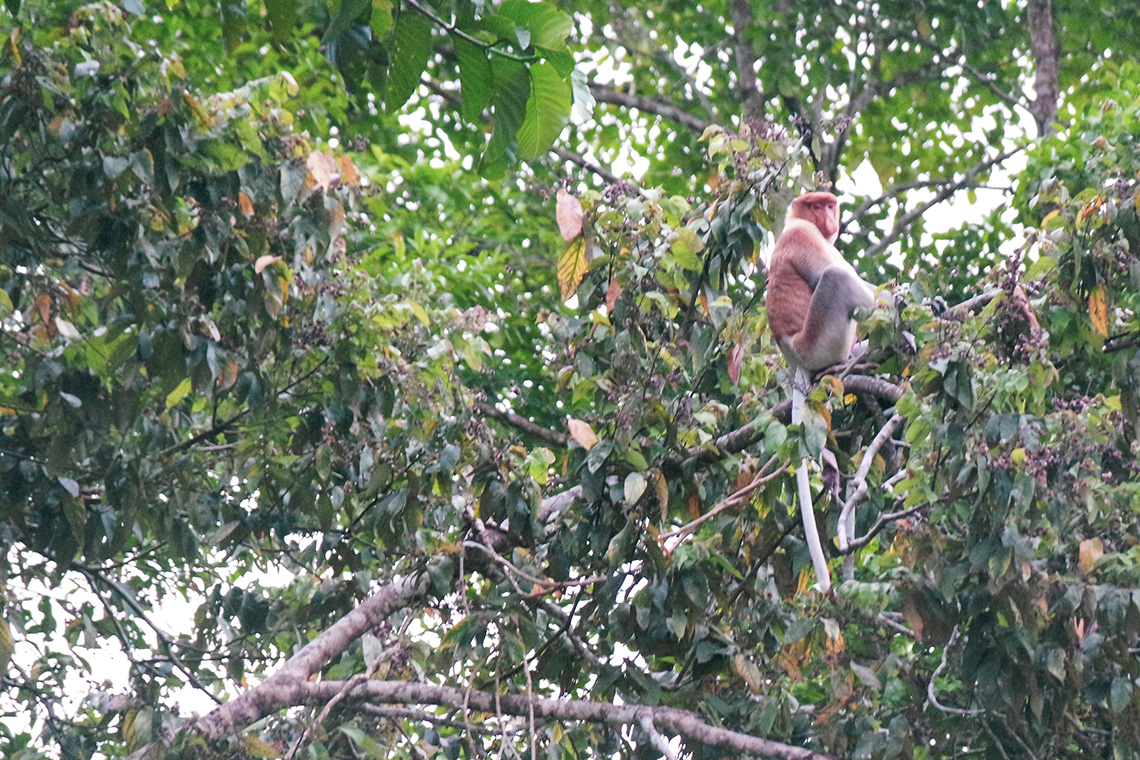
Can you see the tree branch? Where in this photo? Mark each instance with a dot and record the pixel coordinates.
(1046, 64)
(268, 697)
(751, 101)
(903, 224)
(843, 530)
(580, 160)
(553, 437)
(290, 692)
(648, 105)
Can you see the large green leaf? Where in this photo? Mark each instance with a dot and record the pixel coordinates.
(411, 48)
(475, 78)
(512, 91)
(547, 111)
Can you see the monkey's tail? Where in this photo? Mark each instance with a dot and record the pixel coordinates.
(811, 532)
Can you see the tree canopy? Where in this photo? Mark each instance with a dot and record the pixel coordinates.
(392, 379)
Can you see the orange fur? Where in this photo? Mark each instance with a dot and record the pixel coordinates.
(812, 290)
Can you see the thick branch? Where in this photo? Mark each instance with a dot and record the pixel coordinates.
(751, 101)
(1046, 64)
(678, 722)
(648, 105)
(874, 386)
(553, 437)
(266, 698)
(960, 312)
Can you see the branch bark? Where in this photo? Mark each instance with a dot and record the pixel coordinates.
(677, 722)
(648, 105)
(272, 694)
(751, 101)
(1046, 64)
(553, 437)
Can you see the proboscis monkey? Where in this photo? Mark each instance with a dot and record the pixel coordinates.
(812, 297)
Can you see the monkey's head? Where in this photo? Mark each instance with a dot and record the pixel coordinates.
(821, 209)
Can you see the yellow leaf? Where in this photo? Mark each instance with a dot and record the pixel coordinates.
(749, 672)
(1049, 218)
(572, 266)
(1092, 549)
(259, 748)
(245, 204)
(582, 433)
(179, 393)
(348, 173)
(7, 646)
(1091, 208)
(1098, 311)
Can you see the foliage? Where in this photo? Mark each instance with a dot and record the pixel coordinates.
(285, 346)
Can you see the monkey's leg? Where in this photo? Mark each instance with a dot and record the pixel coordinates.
(829, 328)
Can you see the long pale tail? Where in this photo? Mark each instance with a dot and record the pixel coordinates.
(811, 532)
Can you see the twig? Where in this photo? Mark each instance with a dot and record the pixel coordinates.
(403, 713)
(860, 480)
(882, 522)
(582, 161)
(909, 218)
(490, 47)
(166, 641)
(731, 501)
(934, 676)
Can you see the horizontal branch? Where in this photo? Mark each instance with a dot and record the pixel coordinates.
(553, 437)
(668, 719)
(648, 105)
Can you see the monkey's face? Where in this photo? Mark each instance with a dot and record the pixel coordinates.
(822, 210)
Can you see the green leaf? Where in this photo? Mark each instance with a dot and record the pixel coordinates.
(382, 19)
(512, 89)
(475, 78)
(547, 26)
(234, 24)
(547, 111)
(179, 393)
(348, 14)
(411, 49)
(598, 454)
(1120, 694)
(814, 431)
(282, 18)
(635, 483)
